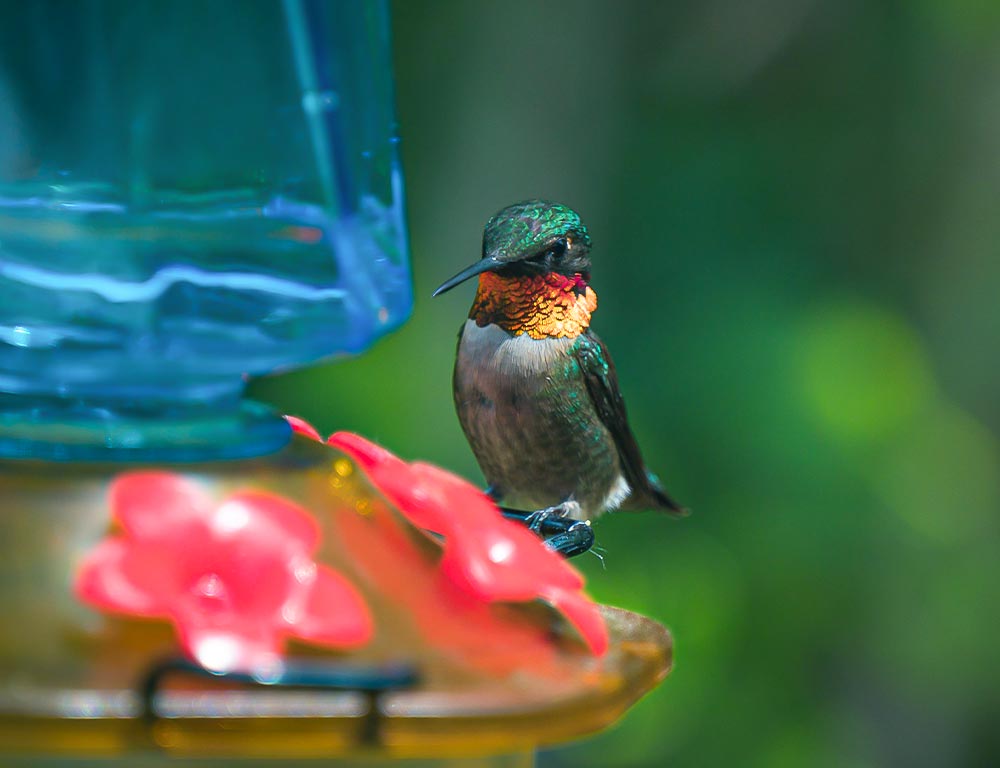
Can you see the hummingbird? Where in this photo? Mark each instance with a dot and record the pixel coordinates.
(535, 388)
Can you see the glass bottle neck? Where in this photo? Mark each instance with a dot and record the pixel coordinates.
(51, 428)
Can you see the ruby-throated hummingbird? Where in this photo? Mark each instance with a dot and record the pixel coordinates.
(535, 389)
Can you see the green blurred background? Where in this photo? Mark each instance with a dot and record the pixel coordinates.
(794, 208)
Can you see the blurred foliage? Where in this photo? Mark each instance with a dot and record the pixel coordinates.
(796, 239)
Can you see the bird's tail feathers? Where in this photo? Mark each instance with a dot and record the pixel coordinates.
(658, 497)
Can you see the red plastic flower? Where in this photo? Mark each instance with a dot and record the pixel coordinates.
(489, 557)
(492, 638)
(236, 578)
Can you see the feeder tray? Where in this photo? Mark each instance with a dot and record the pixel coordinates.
(443, 673)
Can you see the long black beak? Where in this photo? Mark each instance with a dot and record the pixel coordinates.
(483, 265)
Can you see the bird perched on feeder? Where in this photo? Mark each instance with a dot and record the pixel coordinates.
(535, 389)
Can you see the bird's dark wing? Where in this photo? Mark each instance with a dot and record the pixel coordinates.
(602, 384)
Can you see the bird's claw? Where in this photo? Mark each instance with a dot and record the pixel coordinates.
(575, 540)
(536, 520)
(557, 527)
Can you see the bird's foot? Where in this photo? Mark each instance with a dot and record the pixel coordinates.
(557, 527)
(568, 509)
(577, 538)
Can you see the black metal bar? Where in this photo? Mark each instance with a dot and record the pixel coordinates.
(372, 681)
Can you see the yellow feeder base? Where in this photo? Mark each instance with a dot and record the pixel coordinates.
(71, 677)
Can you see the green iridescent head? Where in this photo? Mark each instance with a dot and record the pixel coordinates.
(521, 230)
(532, 237)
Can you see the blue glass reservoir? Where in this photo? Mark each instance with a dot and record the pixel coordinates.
(190, 194)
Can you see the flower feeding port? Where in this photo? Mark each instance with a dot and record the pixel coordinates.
(185, 574)
(180, 612)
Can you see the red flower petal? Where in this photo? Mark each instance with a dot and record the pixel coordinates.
(102, 580)
(266, 517)
(334, 612)
(399, 481)
(582, 614)
(303, 427)
(148, 505)
(368, 454)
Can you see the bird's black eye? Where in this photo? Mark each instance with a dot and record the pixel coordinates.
(546, 260)
(557, 249)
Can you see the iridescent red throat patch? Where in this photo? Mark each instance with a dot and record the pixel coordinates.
(542, 306)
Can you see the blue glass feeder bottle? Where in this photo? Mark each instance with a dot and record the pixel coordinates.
(190, 194)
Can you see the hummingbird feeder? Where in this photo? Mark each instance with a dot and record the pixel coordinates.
(189, 195)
